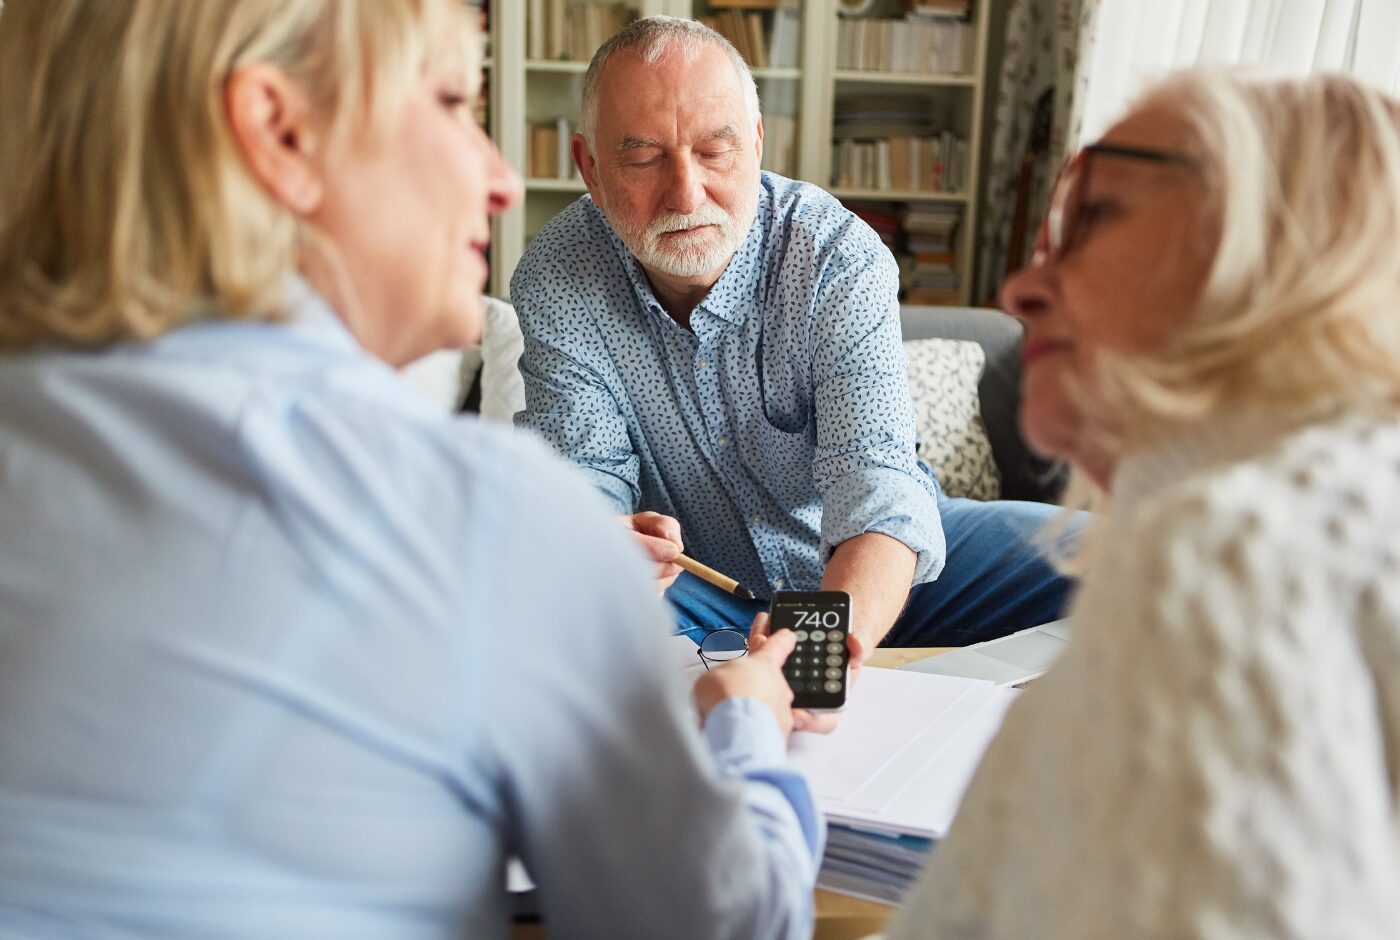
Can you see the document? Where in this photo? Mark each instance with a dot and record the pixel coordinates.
(905, 750)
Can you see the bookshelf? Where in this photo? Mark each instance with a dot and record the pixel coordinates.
(906, 100)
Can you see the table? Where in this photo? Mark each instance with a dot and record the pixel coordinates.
(839, 917)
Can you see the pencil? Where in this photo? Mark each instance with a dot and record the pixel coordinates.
(706, 573)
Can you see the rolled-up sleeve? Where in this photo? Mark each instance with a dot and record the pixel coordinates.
(567, 399)
(866, 467)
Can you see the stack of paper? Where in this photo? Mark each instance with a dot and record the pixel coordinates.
(905, 750)
(872, 865)
(890, 777)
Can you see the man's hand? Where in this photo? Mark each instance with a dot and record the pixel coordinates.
(758, 675)
(660, 538)
(803, 719)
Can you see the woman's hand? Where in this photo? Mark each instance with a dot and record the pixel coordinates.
(803, 719)
(758, 675)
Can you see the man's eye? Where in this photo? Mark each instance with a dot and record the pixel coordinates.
(452, 100)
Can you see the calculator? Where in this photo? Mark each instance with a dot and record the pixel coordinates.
(817, 669)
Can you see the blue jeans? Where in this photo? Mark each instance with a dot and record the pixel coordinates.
(996, 581)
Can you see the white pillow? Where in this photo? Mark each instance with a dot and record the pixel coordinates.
(444, 376)
(502, 387)
(943, 377)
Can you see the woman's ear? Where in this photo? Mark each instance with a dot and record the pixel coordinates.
(273, 124)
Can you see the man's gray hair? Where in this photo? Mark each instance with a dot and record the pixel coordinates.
(652, 38)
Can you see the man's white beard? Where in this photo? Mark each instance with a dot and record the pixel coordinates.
(691, 255)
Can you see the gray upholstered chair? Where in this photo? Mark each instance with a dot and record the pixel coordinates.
(1023, 475)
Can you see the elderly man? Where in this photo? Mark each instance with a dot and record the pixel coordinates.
(721, 346)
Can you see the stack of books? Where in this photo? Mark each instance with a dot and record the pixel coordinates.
(885, 219)
(901, 163)
(893, 142)
(919, 44)
(929, 270)
(560, 30)
(780, 106)
(760, 46)
(548, 155)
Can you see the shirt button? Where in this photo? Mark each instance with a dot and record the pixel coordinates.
(723, 440)
(703, 363)
(779, 584)
(755, 520)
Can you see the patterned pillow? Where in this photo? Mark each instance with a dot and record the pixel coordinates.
(943, 376)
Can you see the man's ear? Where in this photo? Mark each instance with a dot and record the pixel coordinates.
(273, 124)
(758, 140)
(587, 166)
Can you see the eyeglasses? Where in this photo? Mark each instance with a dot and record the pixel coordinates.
(722, 646)
(1064, 220)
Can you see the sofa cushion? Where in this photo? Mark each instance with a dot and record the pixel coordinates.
(1023, 474)
(943, 377)
(502, 386)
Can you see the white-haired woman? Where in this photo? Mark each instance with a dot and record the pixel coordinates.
(274, 660)
(1213, 340)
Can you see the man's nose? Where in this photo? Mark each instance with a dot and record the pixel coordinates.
(686, 192)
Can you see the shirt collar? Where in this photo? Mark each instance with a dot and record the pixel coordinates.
(731, 297)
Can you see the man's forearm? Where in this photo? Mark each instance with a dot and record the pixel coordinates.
(876, 571)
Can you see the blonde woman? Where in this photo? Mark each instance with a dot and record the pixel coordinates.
(273, 657)
(1213, 340)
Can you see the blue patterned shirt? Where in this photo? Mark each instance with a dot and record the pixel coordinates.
(778, 429)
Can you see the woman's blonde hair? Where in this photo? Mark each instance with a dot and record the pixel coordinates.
(1300, 309)
(126, 208)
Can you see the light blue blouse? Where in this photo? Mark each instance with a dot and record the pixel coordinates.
(284, 652)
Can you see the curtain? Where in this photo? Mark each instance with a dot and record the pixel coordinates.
(1036, 119)
(1140, 40)
(1071, 67)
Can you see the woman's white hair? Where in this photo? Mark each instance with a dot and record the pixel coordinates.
(1300, 310)
(1301, 307)
(651, 38)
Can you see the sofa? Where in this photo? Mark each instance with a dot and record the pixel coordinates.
(974, 392)
(1023, 474)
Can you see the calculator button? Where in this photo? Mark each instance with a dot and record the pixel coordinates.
(833, 647)
(817, 686)
(833, 634)
(801, 636)
(818, 636)
(833, 686)
(833, 660)
(833, 673)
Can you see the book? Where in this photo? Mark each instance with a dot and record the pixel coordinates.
(780, 144)
(785, 44)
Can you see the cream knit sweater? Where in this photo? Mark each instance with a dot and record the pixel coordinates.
(1217, 754)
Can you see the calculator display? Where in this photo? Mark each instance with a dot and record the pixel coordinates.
(817, 669)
